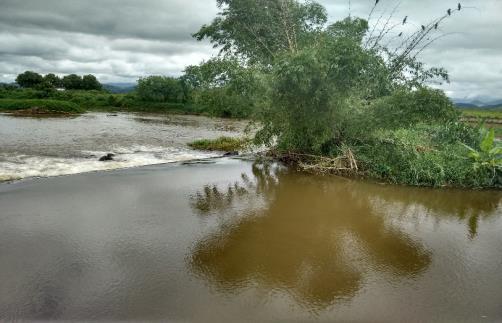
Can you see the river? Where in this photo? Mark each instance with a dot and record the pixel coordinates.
(232, 240)
(43, 147)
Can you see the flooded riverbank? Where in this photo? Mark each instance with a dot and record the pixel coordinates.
(45, 147)
(235, 241)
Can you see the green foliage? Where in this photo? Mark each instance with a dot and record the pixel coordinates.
(49, 105)
(99, 100)
(160, 89)
(418, 156)
(90, 82)
(488, 154)
(325, 88)
(53, 80)
(405, 108)
(494, 113)
(222, 87)
(29, 79)
(260, 30)
(310, 89)
(220, 144)
(72, 82)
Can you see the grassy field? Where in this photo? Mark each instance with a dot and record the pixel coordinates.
(492, 118)
(481, 113)
(39, 106)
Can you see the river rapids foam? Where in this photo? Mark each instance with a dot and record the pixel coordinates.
(16, 167)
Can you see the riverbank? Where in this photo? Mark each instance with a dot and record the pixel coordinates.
(31, 107)
(249, 241)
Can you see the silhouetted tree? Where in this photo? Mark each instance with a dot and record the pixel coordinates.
(90, 82)
(29, 79)
(72, 82)
(53, 80)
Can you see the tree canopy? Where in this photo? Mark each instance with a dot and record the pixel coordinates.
(90, 82)
(338, 90)
(160, 89)
(29, 79)
(262, 29)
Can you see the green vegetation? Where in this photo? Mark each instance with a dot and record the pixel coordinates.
(31, 79)
(489, 155)
(160, 89)
(339, 97)
(222, 88)
(221, 144)
(495, 113)
(334, 97)
(492, 118)
(49, 106)
(193, 93)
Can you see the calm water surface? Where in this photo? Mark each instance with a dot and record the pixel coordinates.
(242, 241)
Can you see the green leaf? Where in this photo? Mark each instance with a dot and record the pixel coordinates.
(496, 151)
(488, 140)
(470, 148)
(474, 155)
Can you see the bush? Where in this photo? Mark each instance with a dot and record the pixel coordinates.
(220, 144)
(421, 156)
(49, 105)
(221, 88)
(160, 89)
(407, 107)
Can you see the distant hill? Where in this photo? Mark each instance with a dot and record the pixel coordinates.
(478, 104)
(119, 87)
(466, 105)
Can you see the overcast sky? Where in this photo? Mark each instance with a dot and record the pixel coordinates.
(121, 40)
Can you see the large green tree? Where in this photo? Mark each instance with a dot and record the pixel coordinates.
(160, 89)
(222, 87)
(29, 79)
(53, 80)
(260, 30)
(90, 82)
(319, 79)
(72, 82)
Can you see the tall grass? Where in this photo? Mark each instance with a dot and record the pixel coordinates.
(48, 105)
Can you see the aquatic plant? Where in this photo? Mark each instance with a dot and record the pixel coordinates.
(227, 144)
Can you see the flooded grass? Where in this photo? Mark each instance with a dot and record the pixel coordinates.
(227, 144)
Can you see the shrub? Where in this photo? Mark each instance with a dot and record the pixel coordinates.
(407, 107)
(49, 105)
(420, 156)
(160, 89)
(220, 144)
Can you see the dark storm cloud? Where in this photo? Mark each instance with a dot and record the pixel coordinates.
(121, 40)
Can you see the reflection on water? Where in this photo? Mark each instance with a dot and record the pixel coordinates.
(316, 239)
(237, 241)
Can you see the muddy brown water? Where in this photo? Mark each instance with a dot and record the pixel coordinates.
(243, 241)
(49, 146)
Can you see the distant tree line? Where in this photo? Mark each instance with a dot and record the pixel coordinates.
(34, 80)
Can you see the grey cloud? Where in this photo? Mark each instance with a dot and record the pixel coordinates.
(148, 19)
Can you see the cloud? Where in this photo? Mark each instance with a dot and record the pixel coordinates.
(121, 40)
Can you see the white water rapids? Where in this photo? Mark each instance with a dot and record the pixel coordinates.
(44, 147)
